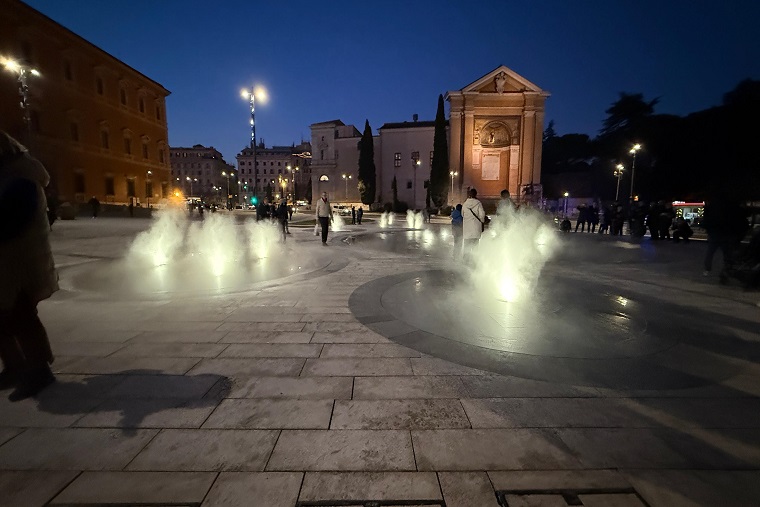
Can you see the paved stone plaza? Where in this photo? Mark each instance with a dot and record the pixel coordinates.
(344, 384)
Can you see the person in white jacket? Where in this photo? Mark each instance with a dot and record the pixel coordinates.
(473, 221)
(324, 216)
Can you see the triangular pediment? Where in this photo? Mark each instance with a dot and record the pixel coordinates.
(502, 80)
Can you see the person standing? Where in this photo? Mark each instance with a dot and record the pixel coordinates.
(324, 216)
(359, 215)
(282, 217)
(353, 215)
(726, 225)
(456, 228)
(506, 203)
(27, 271)
(94, 206)
(132, 208)
(473, 221)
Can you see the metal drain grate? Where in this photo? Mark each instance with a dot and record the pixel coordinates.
(592, 497)
(373, 503)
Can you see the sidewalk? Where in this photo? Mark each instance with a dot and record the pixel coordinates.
(282, 395)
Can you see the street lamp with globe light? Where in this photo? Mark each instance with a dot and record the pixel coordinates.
(618, 174)
(148, 186)
(346, 177)
(227, 201)
(566, 196)
(452, 174)
(633, 151)
(22, 72)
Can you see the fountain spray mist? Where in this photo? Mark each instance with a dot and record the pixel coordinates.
(511, 254)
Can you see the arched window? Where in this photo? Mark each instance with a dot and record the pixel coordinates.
(324, 177)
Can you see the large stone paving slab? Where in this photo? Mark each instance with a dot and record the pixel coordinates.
(243, 489)
(465, 489)
(408, 387)
(315, 388)
(130, 488)
(343, 450)
(73, 449)
(358, 367)
(271, 414)
(206, 450)
(398, 414)
(378, 486)
(148, 413)
(518, 449)
(32, 489)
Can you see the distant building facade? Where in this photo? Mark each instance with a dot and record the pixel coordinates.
(98, 125)
(284, 170)
(494, 139)
(204, 167)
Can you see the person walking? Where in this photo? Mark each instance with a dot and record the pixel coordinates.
(27, 271)
(359, 215)
(324, 216)
(282, 217)
(94, 206)
(726, 225)
(473, 221)
(456, 228)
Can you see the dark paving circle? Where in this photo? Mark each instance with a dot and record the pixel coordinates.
(572, 331)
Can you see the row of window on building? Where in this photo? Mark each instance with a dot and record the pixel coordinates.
(80, 187)
(415, 158)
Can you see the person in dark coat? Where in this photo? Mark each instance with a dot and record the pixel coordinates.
(27, 271)
(94, 206)
(726, 225)
(353, 215)
(359, 215)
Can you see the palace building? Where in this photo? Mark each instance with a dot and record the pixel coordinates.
(98, 125)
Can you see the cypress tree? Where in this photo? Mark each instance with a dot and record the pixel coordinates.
(439, 169)
(367, 172)
(308, 191)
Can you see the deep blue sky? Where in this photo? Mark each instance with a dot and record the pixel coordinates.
(388, 59)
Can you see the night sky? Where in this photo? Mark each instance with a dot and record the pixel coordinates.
(386, 60)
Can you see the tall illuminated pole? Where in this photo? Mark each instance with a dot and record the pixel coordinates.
(251, 96)
(148, 186)
(566, 196)
(415, 164)
(633, 151)
(452, 174)
(227, 200)
(618, 174)
(346, 177)
(22, 76)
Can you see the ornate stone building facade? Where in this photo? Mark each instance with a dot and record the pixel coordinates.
(204, 167)
(283, 169)
(496, 126)
(98, 125)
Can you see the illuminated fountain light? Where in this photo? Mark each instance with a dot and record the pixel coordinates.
(414, 220)
(162, 241)
(509, 258)
(263, 238)
(338, 224)
(384, 220)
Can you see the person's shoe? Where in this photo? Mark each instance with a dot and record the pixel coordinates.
(705, 273)
(32, 384)
(8, 379)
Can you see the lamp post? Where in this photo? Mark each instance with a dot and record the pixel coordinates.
(227, 201)
(452, 174)
(22, 72)
(346, 177)
(191, 180)
(618, 174)
(415, 164)
(566, 196)
(633, 151)
(148, 186)
(250, 95)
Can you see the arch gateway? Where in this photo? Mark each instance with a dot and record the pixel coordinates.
(495, 129)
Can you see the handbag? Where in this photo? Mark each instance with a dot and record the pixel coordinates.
(482, 223)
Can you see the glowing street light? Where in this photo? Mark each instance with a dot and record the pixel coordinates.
(251, 96)
(191, 180)
(618, 174)
(22, 72)
(633, 151)
(346, 177)
(148, 186)
(452, 174)
(227, 201)
(566, 196)
(415, 164)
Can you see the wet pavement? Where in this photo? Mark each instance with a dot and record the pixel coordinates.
(377, 375)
